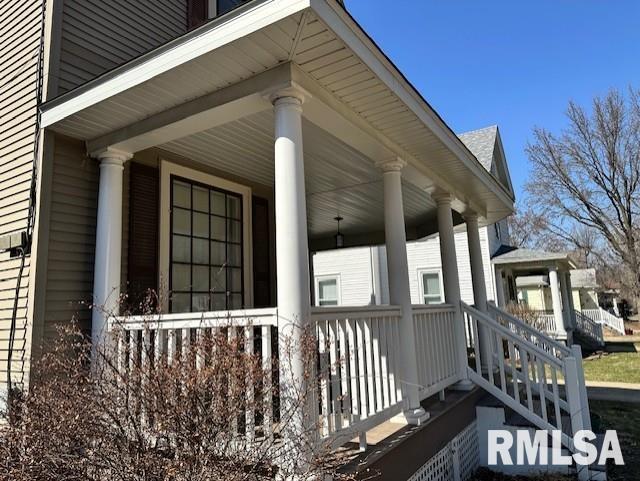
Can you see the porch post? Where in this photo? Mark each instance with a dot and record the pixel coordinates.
(500, 300)
(566, 306)
(451, 279)
(556, 296)
(399, 292)
(292, 259)
(478, 281)
(108, 254)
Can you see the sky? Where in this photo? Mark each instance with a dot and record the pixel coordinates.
(514, 63)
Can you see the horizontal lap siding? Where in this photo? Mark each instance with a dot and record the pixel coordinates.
(20, 24)
(353, 266)
(99, 35)
(72, 236)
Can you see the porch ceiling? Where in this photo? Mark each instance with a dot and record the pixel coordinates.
(339, 179)
(215, 75)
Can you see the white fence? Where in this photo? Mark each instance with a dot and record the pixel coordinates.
(436, 347)
(604, 317)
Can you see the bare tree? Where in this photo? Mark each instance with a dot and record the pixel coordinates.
(211, 411)
(588, 177)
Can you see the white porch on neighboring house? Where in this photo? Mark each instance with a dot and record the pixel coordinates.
(294, 98)
(540, 282)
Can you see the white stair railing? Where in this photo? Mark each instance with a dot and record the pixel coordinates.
(589, 328)
(525, 372)
(528, 332)
(605, 317)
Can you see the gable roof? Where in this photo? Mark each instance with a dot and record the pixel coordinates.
(514, 255)
(585, 278)
(486, 145)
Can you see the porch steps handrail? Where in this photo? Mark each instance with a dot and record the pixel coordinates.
(589, 327)
(602, 316)
(524, 376)
(528, 332)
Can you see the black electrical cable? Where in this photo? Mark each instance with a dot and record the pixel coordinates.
(25, 250)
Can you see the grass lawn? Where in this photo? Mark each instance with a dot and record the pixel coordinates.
(615, 366)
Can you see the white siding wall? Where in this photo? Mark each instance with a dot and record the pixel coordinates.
(354, 268)
(99, 35)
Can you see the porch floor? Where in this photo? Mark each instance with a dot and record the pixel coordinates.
(383, 458)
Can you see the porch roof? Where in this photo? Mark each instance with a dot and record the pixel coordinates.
(523, 257)
(205, 91)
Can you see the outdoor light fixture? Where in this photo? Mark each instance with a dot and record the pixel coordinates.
(339, 236)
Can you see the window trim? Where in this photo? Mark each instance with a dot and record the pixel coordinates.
(169, 170)
(421, 273)
(327, 277)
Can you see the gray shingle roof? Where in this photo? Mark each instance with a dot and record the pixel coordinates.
(481, 143)
(510, 255)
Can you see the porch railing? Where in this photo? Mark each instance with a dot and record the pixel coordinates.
(360, 385)
(589, 328)
(525, 372)
(436, 347)
(604, 317)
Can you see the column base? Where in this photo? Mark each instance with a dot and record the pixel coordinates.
(463, 385)
(412, 417)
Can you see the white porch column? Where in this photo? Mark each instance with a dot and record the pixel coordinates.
(554, 285)
(450, 277)
(108, 255)
(292, 267)
(477, 265)
(566, 306)
(399, 292)
(500, 300)
(479, 283)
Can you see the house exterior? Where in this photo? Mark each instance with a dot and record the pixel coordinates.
(358, 273)
(202, 149)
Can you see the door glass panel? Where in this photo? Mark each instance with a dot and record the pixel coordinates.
(206, 251)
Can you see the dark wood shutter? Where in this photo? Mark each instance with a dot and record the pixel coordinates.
(144, 198)
(261, 253)
(197, 13)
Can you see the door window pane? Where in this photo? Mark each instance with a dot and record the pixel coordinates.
(206, 250)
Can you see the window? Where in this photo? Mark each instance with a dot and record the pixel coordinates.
(206, 248)
(498, 229)
(431, 287)
(224, 6)
(327, 291)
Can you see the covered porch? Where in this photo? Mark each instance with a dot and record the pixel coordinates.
(248, 136)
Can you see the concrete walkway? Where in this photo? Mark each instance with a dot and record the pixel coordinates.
(613, 391)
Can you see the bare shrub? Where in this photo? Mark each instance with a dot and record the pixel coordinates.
(528, 315)
(211, 410)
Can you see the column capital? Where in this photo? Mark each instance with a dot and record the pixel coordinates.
(112, 156)
(470, 216)
(391, 165)
(291, 93)
(442, 197)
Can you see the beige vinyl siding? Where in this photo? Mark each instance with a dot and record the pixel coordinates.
(99, 35)
(74, 199)
(20, 25)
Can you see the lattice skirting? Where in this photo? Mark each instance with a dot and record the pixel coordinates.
(457, 461)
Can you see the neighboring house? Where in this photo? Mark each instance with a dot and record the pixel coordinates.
(202, 149)
(356, 272)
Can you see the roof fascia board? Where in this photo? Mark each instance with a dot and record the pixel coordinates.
(213, 35)
(343, 25)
